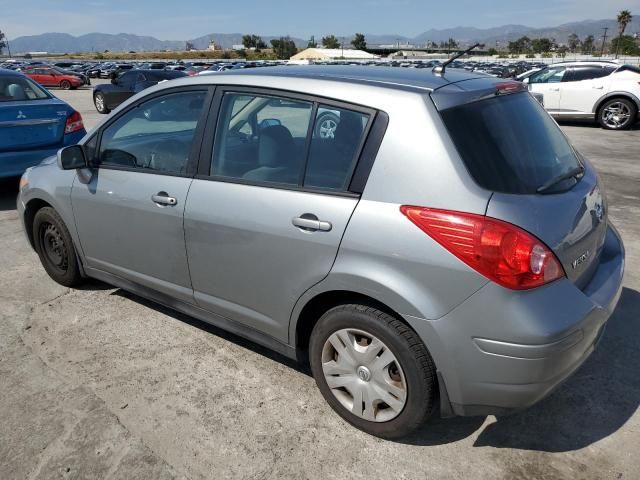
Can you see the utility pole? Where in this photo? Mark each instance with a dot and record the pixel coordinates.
(604, 39)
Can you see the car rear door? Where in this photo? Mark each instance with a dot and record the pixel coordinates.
(582, 86)
(267, 211)
(129, 207)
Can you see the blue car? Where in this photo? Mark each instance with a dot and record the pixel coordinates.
(33, 124)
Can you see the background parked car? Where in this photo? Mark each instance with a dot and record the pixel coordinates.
(108, 96)
(33, 123)
(604, 91)
(52, 77)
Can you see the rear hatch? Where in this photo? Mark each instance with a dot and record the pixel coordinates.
(32, 124)
(540, 183)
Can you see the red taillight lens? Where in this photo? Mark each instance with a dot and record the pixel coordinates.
(498, 250)
(74, 123)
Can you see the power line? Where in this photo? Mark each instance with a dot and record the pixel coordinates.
(604, 39)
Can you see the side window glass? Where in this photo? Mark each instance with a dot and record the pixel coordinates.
(155, 136)
(261, 138)
(337, 138)
(549, 75)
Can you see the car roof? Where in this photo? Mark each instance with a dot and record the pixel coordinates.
(390, 77)
(595, 63)
(5, 72)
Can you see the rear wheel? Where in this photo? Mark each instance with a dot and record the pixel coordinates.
(65, 85)
(326, 125)
(373, 370)
(54, 246)
(99, 102)
(617, 114)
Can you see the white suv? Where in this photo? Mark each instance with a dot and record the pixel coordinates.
(605, 91)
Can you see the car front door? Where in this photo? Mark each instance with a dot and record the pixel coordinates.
(266, 214)
(582, 87)
(124, 84)
(548, 82)
(129, 208)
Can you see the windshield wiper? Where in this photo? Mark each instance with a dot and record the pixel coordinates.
(573, 173)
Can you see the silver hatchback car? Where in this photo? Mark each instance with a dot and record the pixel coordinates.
(445, 245)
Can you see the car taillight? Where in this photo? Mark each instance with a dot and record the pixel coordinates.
(498, 250)
(73, 123)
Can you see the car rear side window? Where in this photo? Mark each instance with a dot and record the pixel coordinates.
(509, 143)
(337, 137)
(20, 89)
(577, 74)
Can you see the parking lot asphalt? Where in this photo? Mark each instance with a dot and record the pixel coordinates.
(99, 383)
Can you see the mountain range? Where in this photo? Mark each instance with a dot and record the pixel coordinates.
(124, 42)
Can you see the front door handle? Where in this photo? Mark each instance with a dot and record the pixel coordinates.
(163, 198)
(599, 87)
(554, 89)
(311, 223)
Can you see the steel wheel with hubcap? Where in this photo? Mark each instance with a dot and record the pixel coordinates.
(373, 370)
(65, 84)
(617, 114)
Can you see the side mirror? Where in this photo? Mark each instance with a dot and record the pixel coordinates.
(269, 122)
(114, 80)
(526, 80)
(71, 158)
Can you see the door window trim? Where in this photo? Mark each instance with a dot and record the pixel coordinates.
(196, 145)
(365, 155)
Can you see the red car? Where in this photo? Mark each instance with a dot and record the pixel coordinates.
(50, 77)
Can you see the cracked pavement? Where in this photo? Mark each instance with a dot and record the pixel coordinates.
(99, 383)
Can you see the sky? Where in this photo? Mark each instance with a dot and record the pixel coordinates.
(187, 19)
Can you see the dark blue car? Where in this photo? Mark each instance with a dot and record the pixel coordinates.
(33, 124)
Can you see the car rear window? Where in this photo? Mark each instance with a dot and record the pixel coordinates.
(509, 143)
(20, 89)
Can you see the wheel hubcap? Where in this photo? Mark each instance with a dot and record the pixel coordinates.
(53, 246)
(364, 375)
(328, 128)
(616, 115)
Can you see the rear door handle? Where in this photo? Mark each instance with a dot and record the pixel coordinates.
(554, 89)
(310, 222)
(599, 87)
(163, 198)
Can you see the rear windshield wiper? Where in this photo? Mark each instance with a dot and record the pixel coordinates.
(573, 173)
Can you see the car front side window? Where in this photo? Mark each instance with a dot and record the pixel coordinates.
(154, 136)
(549, 75)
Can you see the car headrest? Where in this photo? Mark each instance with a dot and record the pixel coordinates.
(275, 147)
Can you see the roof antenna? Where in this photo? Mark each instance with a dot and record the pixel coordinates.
(439, 69)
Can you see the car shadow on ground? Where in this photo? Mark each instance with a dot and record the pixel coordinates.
(590, 124)
(593, 404)
(8, 193)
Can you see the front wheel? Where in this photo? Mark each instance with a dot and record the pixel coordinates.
(617, 114)
(373, 370)
(99, 102)
(65, 85)
(54, 246)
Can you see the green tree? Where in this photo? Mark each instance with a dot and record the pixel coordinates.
(624, 18)
(521, 45)
(588, 44)
(359, 42)
(189, 46)
(3, 41)
(312, 42)
(284, 48)
(492, 51)
(573, 42)
(541, 45)
(626, 45)
(330, 41)
(253, 41)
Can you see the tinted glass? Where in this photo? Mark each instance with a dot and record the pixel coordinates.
(337, 137)
(261, 139)
(577, 74)
(548, 75)
(509, 143)
(155, 136)
(20, 89)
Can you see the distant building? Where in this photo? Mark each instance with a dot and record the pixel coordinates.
(333, 54)
(212, 46)
(238, 47)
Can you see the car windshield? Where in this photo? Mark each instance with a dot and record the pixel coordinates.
(18, 88)
(509, 143)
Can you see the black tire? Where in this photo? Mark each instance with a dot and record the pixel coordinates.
(611, 122)
(98, 99)
(410, 352)
(326, 122)
(65, 85)
(55, 248)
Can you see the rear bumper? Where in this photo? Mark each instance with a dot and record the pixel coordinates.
(502, 351)
(13, 164)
